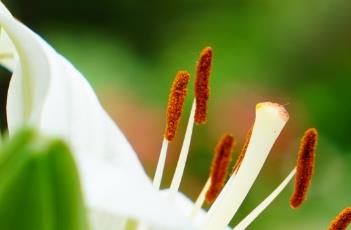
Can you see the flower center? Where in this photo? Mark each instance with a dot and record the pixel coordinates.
(227, 197)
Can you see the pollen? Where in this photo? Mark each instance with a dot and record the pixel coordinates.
(176, 103)
(305, 167)
(242, 152)
(342, 220)
(219, 168)
(202, 89)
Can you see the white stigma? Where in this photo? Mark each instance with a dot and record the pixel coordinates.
(270, 120)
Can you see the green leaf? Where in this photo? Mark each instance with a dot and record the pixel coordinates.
(39, 185)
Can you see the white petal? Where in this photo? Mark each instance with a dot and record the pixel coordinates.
(109, 197)
(47, 92)
(28, 85)
(8, 54)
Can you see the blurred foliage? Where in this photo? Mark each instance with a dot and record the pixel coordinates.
(297, 53)
(297, 49)
(39, 185)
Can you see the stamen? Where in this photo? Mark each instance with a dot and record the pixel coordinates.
(175, 103)
(201, 197)
(242, 153)
(174, 112)
(270, 120)
(198, 113)
(202, 90)
(342, 220)
(219, 172)
(305, 167)
(219, 169)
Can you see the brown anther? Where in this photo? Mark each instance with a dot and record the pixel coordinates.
(175, 103)
(342, 220)
(202, 88)
(219, 168)
(241, 156)
(305, 167)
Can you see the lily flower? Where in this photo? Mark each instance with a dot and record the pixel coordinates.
(48, 93)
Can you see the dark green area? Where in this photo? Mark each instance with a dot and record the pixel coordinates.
(4, 85)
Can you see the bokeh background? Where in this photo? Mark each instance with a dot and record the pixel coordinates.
(297, 53)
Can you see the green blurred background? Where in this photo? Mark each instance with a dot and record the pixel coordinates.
(297, 53)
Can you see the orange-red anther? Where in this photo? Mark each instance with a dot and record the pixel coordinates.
(241, 156)
(175, 103)
(305, 167)
(219, 168)
(342, 220)
(202, 88)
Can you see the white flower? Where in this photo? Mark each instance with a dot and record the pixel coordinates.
(47, 92)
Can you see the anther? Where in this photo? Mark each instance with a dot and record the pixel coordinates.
(219, 168)
(242, 153)
(175, 103)
(202, 90)
(305, 167)
(342, 220)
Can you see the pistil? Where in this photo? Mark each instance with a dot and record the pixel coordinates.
(270, 120)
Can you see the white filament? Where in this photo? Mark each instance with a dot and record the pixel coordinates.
(261, 207)
(177, 177)
(161, 164)
(200, 199)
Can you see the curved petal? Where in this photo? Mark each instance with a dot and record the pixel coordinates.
(8, 54)
(47, 92)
